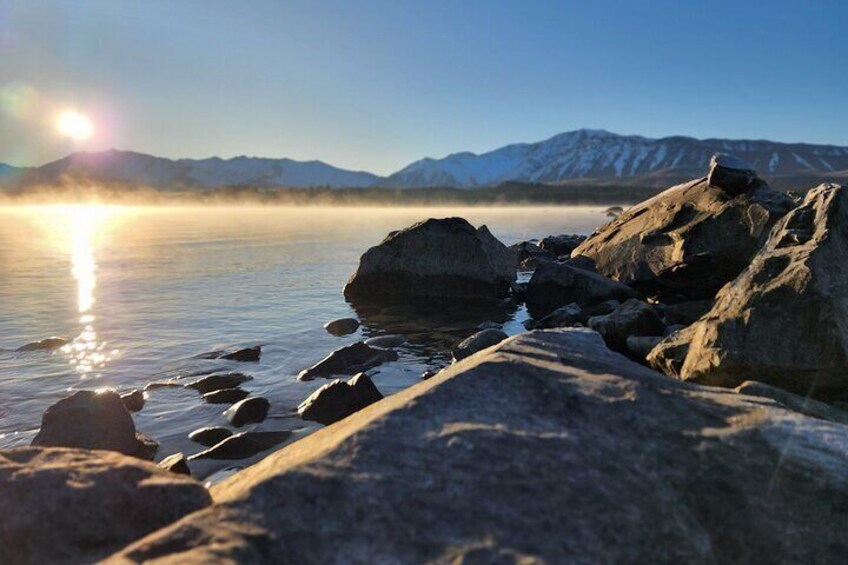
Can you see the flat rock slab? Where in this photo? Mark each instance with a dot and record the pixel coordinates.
(546, 448)
(77, 506)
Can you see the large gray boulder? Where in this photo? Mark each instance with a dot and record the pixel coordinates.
(633, 318)
(78, 506)
(547, 448)
(93, 420)
(687, 241)
(445, 258)
(784, 320)
(554, 285)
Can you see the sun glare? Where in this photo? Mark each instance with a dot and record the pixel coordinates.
(75, 125)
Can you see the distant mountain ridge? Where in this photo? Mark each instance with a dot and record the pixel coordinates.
(586, 157)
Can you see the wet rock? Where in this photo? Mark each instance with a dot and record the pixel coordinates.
(342, 326)
(243, 445)
(248, 411)
(338, 399)
(562, 244)
(783, 320)
(386, 341)
(688, 241)
(528, 254)
(212, 383)
(348, 360)
(731, 174)
(46, 344)
(563, 317)
(225, 396)
(547, 428)
(92, 420)
(247, 355)
(445, 258)
(428, 375)
(478, 342)
(209, 436)
(632, 318)
(133, 400)
(176, 463)
(554, 285)
(78, 506)
(517, 291)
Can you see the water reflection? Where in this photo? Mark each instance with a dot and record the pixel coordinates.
(87, 354)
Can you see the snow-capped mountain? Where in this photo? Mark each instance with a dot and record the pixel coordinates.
(158, 172)
(598, 154)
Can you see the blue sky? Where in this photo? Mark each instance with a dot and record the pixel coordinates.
(376, 84)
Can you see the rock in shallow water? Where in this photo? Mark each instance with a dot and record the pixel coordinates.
(632, 318)
(342, 326)
(209, 436)
(445, 258)
(247, 355)
(495, 454)
(348, 360)
(386, 341)
(46, 344)
(478, 342)
(338, 399)
(243, 445)
(225, 396)
(78, 506)
(554, 285)
(212, 383)
(248, 411)
(93, 420)
(133, 400)
(175, 463)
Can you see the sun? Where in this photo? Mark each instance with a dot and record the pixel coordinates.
(75, 125)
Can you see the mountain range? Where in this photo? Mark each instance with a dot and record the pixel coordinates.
(582, 156)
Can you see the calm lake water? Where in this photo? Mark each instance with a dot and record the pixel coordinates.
(141, 291)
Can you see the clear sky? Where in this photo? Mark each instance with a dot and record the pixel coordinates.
(374, 85)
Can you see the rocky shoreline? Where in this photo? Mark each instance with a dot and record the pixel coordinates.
(597, 435)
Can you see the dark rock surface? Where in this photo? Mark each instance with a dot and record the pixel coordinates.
(247, 355)
(478, 342)
(796, 402)
(78, 506)
(632, 318)
(243, 445)
(686, 313)
(248, 411)
(549, 449)
(46, 344)
(386, 341)
(348, 360)
(211, 383)
(93, 420)
(342, 326)
(225, 396)
(783, 320)
(133, 400)
(446, 258)
(563, 244)
(339, 399)
(175, 463)
(554, 285)
(687, 241)
(731, 174)
(528, 255)
(209, 436)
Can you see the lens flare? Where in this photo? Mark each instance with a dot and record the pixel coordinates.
(75, 125)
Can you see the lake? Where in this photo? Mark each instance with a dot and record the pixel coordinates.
(141, 291)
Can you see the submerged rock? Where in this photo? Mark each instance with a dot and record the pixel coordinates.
(487, 461)
(46, 344)
(783, 320)
(386, 341)
(248, 411)
(248, 354)
(133, 400)
(338, 399)
(554, 285)
(93, 420)
(176, 463)
(212, 383)
(243, 445)
(445, 258)
(78, 506)
(225, 396)
(342, 326)
(348, 360)
(478, 342)
(209, 436)
(687, 241)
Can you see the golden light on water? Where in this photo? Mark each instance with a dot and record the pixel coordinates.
(75, 125)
